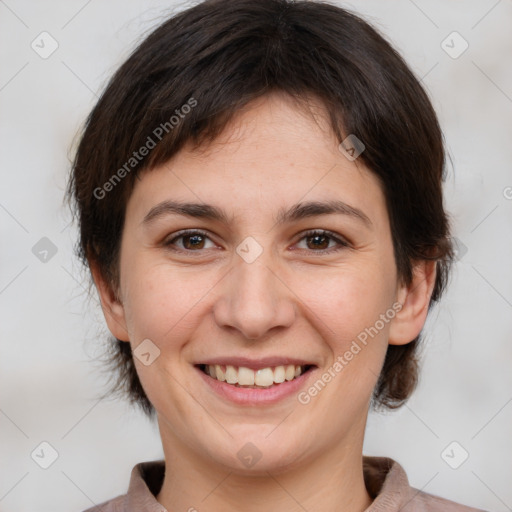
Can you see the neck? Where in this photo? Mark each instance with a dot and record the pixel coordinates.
(330, 482)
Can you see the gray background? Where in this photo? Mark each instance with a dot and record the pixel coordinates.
(51, 332)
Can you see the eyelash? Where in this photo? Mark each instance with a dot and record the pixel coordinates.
(311, 233)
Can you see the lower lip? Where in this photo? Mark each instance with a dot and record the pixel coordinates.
(255, 396)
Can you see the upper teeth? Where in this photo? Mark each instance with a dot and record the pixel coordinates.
(247, 377)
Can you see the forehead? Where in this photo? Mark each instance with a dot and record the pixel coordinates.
(272, 154)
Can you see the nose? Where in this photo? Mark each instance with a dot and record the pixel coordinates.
(254, 299)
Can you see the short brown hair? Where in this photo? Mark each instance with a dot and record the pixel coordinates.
(222, 54)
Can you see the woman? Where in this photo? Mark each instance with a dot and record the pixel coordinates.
(260, 205)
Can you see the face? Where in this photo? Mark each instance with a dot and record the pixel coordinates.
(271, 287)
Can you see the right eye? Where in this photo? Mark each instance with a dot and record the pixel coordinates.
(191, 240)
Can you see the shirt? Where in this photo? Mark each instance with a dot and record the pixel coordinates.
(385, 480)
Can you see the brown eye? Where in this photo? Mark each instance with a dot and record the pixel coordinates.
(323, 241)
(318, 242)
(192, 241)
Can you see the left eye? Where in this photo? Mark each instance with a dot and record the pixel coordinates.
(316, 240)
(319, 240)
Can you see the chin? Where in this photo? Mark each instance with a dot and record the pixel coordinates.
(255, 452)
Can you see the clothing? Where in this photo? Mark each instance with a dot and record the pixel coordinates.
(385, 480)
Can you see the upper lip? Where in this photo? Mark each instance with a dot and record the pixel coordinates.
(255, 364)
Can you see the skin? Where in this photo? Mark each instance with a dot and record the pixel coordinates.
(293, 300)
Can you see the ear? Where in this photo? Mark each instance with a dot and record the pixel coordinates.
(112, 307)
(415, 298)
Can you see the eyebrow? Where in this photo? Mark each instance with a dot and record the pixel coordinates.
(297, 212)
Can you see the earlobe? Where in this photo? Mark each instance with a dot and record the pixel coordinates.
(415, 299)
(112, 307)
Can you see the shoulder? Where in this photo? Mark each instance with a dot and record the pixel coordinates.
(387, 482)
(145, 483)
(425, 502)
(116, 504)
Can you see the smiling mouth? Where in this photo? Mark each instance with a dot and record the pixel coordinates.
(243, 377)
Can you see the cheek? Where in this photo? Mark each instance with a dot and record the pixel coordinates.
(161, 302)
(347, 300)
